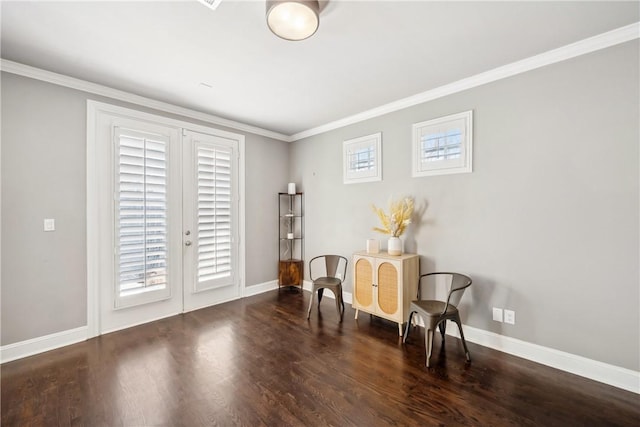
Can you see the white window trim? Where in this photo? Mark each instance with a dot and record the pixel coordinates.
(443, 167)
(373, 141)
(94, 182)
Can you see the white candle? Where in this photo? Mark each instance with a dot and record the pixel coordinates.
(373, 246)
(292, 188)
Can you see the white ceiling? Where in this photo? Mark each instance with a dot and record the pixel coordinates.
(365, 53)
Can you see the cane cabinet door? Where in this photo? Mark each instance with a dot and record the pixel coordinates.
(364, 283)
(388, 291)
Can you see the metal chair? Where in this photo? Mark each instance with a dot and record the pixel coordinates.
(435, 313)
(331, 271)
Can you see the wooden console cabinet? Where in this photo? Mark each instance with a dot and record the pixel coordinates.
(384, 285)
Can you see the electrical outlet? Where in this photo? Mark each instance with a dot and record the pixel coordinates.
(49, 224)
(497, 314)
(510, 317)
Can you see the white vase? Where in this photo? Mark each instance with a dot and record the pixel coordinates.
(394, 246)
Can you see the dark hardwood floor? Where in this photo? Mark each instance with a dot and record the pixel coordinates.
(259, 362)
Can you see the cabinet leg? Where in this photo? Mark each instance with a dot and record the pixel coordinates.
(357, 314)
(400, 329)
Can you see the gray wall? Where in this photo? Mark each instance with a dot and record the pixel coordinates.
(547, 223)
(44, 176)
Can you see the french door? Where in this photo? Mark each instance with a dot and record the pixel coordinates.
(167, 218)
(210, 217)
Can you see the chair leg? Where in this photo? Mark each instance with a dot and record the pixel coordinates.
(428, 338)
(464, 342)
(320, 292)
(313, 292)
(338, 298)
(408, 328)
(443, 328)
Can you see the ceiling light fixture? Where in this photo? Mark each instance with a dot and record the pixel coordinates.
(293, 19)
(211, 4)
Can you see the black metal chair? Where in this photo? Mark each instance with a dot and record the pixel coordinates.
(435, 313)
(328, 269)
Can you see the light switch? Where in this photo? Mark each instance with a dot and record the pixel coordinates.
(49, 224)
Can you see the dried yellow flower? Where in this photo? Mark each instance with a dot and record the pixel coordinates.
(399, 217)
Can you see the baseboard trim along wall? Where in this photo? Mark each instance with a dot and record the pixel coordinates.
(616, 376)
(272, 285)
(260, 288)
(38, 345)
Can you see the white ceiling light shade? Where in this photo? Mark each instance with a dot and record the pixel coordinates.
(211, 4)
(293, 19)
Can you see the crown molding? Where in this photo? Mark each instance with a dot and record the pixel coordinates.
(97, 89)
(582, 47)
(591, 44)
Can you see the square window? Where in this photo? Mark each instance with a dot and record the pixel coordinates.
(362, 159)
(443, 146)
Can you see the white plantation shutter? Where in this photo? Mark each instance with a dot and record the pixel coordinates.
(214, 215)
(443, 145)
(362, 161)
(362, 158)
(141, 214)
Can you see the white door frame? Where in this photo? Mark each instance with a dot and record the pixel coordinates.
(95, 216)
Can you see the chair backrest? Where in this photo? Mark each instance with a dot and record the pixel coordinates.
(328, 266)
(455, 284)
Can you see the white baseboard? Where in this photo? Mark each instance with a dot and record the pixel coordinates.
(260, 288)
(41, 344)
(142, 322)
(616, 376)
(272, 285)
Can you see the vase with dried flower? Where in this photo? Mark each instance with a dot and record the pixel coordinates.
(395, 223)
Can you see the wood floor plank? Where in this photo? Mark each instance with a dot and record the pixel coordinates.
(259, 362)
